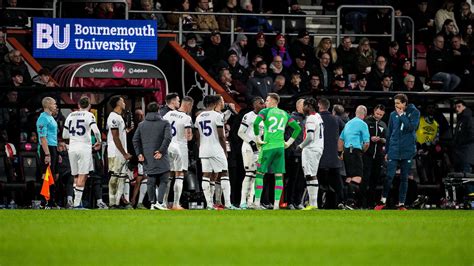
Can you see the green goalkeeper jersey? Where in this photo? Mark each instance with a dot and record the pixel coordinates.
(275, 121)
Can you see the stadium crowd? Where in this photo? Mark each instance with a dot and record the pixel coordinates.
(255, 66)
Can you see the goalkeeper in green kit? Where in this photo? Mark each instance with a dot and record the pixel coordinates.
(272, 155)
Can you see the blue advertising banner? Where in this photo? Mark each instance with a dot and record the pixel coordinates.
(95, 38)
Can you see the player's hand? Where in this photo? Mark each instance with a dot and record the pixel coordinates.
(157, 155)
(141, 158)
(259, 141)
(127, 156)
(289, 142)
(97, 146)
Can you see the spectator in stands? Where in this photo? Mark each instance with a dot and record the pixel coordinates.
(468, 37)
(277, 68)
(253, 23)
(104, 10)
(407, 69)
(214, 50)
(17, 63)
(462, 57)
(386, 84)
(12, 117)
(394, 57)
(302, 45)
(299, 22)
(400, 147)
(339, 83)
(325, 46)
(355, 17)
(279, 85)
(377, 73)
(314, 83)
(225, 21)
(329, 164)
(260, 47)
(240, 48)
(205, 22)
(300, 67)
(464, 17)
(440, 62)
(446, 12)
(425, 28)
(119, 10)
(463, 156)
(15, 18)
(409, 83)
(3, 48)
(448, 32)
(296, 87)
(347, 56)
(379, 21)
(339, 112)
(16, 79)
(47, 128)
(365, 56)
(225, 80)
(374, 157)
(147, 5)
(43, 78)
(237, 71)
(324, 71)
(260, 84)
(253, 66)
(281, 49)
(295, 185)
(189, 23)
(403, 29)
(193, 49)
(172, 101)
(361, 82)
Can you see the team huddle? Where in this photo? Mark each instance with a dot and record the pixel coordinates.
(160, 142)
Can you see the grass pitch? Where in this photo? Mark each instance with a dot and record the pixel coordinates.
(132, 237)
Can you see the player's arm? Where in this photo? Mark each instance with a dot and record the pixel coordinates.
(220, 133)
(188, 130)
(310, 131)
(137, 143)
(296, 132)
(65, 134)
(118, 143)
(242, 133)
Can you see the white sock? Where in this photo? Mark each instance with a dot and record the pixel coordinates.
(252, 190)
(126, 190)
(69, 199)
(78, 196)
(384, 200)
(178, 188)
(213, 190)
(245, 189)
(99, 201)
(225, 184)
(218, 192)
(120, 187)
(257, 202)
(143, 190)
(276, 205)
(206, 188)
(313, 187)
(165, 197)
(112, 189)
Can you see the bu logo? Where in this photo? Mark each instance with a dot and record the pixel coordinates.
(47, 35)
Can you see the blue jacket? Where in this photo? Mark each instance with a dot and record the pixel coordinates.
(401, 134)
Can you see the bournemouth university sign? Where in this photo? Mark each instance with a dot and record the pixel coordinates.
(95, 38)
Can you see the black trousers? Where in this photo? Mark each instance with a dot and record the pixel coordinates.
(372, 177)
(295, 181)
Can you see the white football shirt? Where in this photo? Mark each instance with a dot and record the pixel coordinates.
(78, 129)
(115, 121)
(179, 121)
(208, 122)
(314, 125)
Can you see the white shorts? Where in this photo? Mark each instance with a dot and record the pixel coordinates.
(140, 169)
(250, 158)
(214, 164)
(178, 158)
(310, 161)
(80, 161)
(117, 165)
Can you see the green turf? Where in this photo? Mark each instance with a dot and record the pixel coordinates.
(40, 237)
